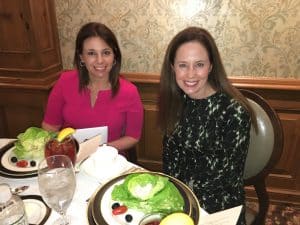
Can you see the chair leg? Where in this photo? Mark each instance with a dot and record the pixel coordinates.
(263, 203)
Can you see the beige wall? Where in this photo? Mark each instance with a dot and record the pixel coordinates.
(256, 38)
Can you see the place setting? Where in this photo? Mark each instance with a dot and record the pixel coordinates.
(20, 158)
(36, 209)
(11, 167)
(104, 209)
(104, 164)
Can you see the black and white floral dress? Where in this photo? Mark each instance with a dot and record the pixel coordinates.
(207, 151)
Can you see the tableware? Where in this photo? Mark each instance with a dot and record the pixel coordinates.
(101, 203)
(36, 209)
(151, 218)
(9, 169)
(56, 179)
(102, 172)
(90, 214)
(19, 190)
(68, 146)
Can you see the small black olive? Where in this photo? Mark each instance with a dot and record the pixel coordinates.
(32, 163)
(14, 159)
(128, 218)
(115, 205)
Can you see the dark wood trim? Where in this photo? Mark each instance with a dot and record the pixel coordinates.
(240, 82)
(40, 83)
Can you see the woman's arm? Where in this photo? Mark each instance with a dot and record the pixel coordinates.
(49, 127)
(232, 146)
(124, 143)
(134, 121)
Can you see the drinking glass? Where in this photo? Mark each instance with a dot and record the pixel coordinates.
(68, 146)
(56, 179)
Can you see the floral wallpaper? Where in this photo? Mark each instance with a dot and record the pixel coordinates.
(256, 38)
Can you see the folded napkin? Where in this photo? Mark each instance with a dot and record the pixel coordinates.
(105, 164)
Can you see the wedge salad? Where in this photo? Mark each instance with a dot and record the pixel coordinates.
(29, 147)
(147, 193)
(31, 143)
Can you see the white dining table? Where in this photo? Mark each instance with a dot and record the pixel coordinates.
(85, 187)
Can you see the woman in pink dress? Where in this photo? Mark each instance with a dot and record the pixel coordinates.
(94, 94)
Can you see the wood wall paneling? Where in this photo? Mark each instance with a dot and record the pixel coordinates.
(36, 53)
(20, 109)
(30, 62)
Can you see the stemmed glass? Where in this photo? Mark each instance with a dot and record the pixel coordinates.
(56, 178)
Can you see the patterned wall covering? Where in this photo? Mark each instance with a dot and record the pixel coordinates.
(256, 38)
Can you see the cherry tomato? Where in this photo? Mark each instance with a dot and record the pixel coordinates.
(22, 163)
(119, 210)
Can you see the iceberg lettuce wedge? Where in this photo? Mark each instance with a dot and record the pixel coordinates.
(149, 193)
(31, 143)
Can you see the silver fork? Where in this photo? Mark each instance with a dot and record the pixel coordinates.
(19, 190)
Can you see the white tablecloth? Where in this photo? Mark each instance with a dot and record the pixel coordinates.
(85, 187)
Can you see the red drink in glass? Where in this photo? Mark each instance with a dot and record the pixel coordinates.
(68, 147)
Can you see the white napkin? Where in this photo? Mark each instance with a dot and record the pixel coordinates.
(105, 164)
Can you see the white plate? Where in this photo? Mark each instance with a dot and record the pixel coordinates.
(101, 203)
(103, 173)
(106, 204)
(6, 163)
(9, 169)
(36, 210)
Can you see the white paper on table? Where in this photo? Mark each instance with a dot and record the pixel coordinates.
(84, 134)
(88, 147)
(225, 217)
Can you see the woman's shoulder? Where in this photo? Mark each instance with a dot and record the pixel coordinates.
(233, 107)
(126, 85)
(68, 75)
(227, 102)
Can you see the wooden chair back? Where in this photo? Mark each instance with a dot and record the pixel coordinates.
(264, 152)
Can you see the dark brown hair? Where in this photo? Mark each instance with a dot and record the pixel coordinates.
(94, 29)
(171, 96)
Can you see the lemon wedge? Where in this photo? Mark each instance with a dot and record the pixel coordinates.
(177, 219)
(65, 133)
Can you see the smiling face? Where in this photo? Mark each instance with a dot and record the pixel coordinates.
(192, 68)
(98, 58)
